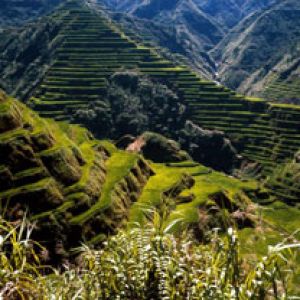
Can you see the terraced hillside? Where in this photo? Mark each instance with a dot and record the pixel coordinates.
(59, 174)
(284, 89)
(93, 49)
(79, 189)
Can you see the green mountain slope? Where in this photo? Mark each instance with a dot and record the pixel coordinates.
(77, 189)
(80, 189)
(261, 55)
(181, 48)
(26, 54)
(92, 48)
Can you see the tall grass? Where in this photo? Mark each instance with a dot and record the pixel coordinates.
(20, 266)
(143, 263)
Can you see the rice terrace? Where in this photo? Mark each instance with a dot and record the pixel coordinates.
(149, 149)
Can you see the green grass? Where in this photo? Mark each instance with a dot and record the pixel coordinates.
(205, 185)
(118, 166)
(278, 221)
(90, 156)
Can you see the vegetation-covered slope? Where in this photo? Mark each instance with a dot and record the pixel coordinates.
(75, 189)
(171, 43)
(47, 171)
(180, 28)
(79, 73)
(79, 189)
(16, 12)
(26, 53)
(172, 25)
(92, 48)
(225, 12)
(261, 55)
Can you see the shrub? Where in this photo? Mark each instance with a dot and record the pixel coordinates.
(133, 104)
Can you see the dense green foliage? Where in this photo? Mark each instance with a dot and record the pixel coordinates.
(143, 264)
(259, 130)
(132, 105)
(149, 227)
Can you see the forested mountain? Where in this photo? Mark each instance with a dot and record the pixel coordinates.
(26, 53)
(121, 5)
(185, 17)
(225, 40)
(226, 12)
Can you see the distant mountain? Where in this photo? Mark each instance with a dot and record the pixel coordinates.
(180, 28)
(227, 12)
(185, 17)
(122, 5)
(263, 49)
(182, 49)
(230, 12)
(189, 28)
(14, 12)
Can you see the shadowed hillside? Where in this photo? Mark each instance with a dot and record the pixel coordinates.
(230, 12)
(16, 12)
